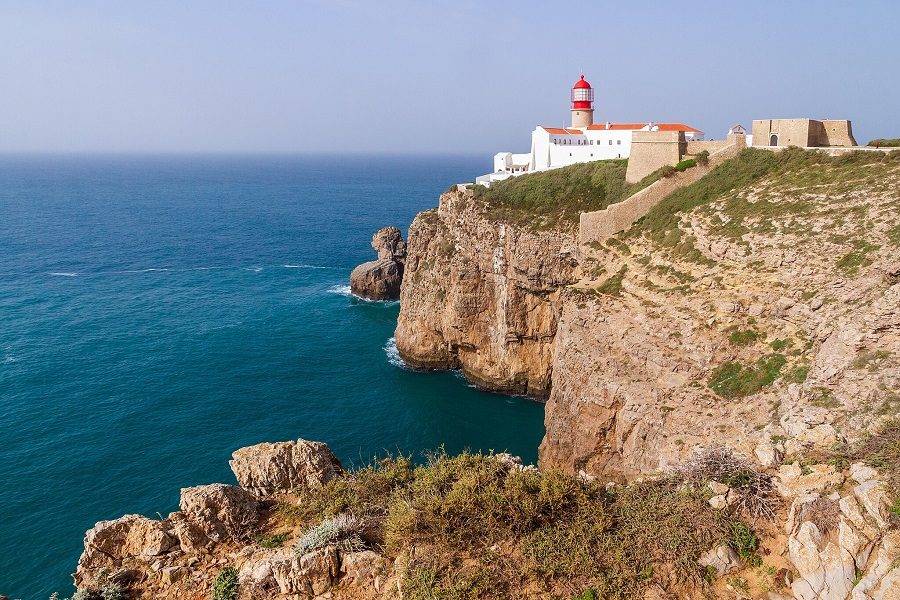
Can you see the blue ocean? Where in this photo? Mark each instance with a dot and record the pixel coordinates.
(158, 312)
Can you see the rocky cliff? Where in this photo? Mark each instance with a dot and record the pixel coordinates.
(483, 296)
(757, 307)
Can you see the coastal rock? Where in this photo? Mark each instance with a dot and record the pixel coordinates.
(380, 279)
(360, 569)
(222, 512)
(377, 280)
(309, 575)
(266, 468)
(483, 296)
(109, 543)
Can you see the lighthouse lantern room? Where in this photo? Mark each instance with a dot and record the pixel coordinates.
(582, 103)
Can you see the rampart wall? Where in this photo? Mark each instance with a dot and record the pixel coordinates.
(651, 150)
(598, 225)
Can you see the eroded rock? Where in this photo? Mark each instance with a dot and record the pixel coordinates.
(284, 466)
(222, 512)
(380, 279)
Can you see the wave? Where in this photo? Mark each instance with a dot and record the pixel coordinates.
(61, 274)
(151, 270)
(393, 355)
(254, 269)
(306, 267)
(344, 290)
(341, 290)
(8, 360)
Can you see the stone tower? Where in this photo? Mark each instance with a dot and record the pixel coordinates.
(582, 103)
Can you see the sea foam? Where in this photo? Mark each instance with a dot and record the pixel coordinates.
(393, 355)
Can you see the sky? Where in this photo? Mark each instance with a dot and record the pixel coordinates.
(432, 76)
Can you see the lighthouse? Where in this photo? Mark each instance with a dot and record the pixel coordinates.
(582, 103)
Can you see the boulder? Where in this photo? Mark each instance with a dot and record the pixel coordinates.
(309, 575)
(191, 538)
(723, 559)
(283, 466)
(108, 543)
(377, 280)
(361, 569)
(380, 279)
(222, 512)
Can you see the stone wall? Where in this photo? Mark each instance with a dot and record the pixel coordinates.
(651, 150)
(803, 132)
(598, 225)
(696, 147)
(834, 132)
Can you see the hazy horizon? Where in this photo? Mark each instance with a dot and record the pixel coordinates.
(324, 77)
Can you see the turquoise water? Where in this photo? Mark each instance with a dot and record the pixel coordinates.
(159, 312)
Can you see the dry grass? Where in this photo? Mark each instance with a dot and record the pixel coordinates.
(468, 526)
(756, 493)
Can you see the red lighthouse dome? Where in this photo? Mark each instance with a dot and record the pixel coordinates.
(582, 95)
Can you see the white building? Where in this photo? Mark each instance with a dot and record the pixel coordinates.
(584, 141)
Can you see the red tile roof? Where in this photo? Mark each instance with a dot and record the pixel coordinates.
(559, 131)
(636, 126)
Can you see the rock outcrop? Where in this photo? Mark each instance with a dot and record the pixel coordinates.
(284, 466)
(221, 512)
(181, 555)
(483, 296)
(380, 279)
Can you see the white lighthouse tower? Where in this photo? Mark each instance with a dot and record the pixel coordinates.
(582, 103)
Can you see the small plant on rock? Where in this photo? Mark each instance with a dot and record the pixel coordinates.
(755, 491)
(342, 531)
(225, 587)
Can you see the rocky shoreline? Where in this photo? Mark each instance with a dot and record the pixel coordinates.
(823, 533)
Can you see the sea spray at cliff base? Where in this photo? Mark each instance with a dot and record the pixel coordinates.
(161, 312)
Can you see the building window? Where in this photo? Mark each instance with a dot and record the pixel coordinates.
(610, 142)
(591, 143)
(618, 142)
(570, 154)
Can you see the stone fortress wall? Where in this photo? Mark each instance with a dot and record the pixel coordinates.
(651, 150)
(805, 133)
(598, 225)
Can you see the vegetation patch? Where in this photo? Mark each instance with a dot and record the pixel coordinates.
(859, 257)
(613, 285)
(557, 197)
(484, 529)
(225, 586)
(735, 380)
(272, 540)
(871, 360)
(744, 337)
(885, 143)
(790, 171)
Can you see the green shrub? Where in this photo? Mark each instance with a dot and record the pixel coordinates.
(666, 171)
(745, 543)
(613, 285)
(225, 586)
(686, 164)
(797, 374)
(273, 540)
(702, 158)
(734, 380)
(885, 143)
(343, 531)
(743, 338)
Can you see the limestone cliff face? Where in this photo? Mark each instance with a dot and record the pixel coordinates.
(483, 296)
(766, 318)
(771, 326)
